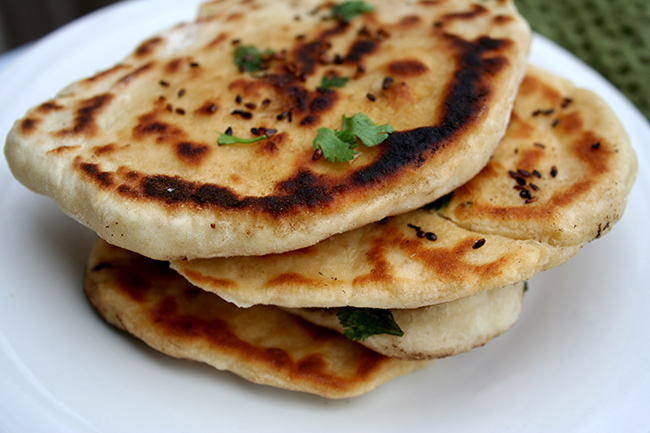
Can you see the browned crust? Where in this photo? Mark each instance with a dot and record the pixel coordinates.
(147, 299)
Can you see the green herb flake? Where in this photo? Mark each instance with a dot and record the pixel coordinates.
(225, 139)
(249, 59)
(333, 147)
(339, 145)
(346, 11)
(360, 323)
(362, 127)
(328, 82)
(440, 203)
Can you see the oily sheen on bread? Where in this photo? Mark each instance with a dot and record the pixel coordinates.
(262, 344)
(132, 151)
(549, 188)
(439, 330)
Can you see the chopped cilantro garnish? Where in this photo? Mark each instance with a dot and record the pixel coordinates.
(327, 82)
(229, 139)
(340, 144)
(345, 11)
(362, 127)
(333, 147)
(249, 59)
(440, 203)
(361, 323)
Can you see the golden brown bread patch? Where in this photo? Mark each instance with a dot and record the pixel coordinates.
(131, 152)
(262, 344)
(492, 234)
(561, 175)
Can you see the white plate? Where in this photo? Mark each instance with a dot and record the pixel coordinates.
(578, 360)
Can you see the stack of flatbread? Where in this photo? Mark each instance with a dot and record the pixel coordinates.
(322, 196)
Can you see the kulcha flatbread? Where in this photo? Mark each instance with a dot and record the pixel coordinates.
(262, 344)
(550, 187)
(132, 151)
(570, 162)
(439, 330)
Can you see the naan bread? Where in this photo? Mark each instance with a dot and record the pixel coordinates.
(132, 151)
(439, 330)
(570, 159)
(262, 344)
(489, 237)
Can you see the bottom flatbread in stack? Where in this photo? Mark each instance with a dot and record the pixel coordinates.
(450, 275)
(265, 344)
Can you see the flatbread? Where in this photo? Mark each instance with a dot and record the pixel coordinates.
(262, 344)
(439, 330)
(490, 236)
(570, 159)
(132, 151)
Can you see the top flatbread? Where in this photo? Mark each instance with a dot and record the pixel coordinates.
(131, 152)
(576, 174)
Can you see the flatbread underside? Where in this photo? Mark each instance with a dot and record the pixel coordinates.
(262, 344)
(131, 152)
(559, 179)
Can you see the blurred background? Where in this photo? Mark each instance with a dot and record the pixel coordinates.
(23, 21)
(611, 36)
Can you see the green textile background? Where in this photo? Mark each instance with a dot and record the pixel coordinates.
(612, 36)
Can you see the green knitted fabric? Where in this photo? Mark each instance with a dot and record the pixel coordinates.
(612, 36)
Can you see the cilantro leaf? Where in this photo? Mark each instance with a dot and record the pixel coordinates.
(332, 146)
(345, 11)
(229, 139)
(360, 323)
(362, 127)
(340, 144)
(249, 59)
(327, 82)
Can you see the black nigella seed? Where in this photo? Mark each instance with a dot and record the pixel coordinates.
(388, 81)
(242, 114)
